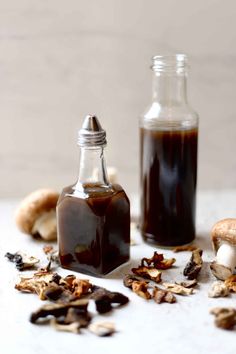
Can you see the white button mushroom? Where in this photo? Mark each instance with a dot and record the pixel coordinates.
(223, 237)
(36, 214)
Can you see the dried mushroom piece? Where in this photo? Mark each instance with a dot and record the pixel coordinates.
(158, 261)
(58, 310)
(194, 266)
(184, 248)
(141, 289)
(178, 289)
(51, 286)
(129, 279)
(231, 283)
(73, 321)
(104, 299)
(73, 327)
(218, 289)
(102, 329)
(35, 284)
(225, 317)
(52, 254)
(22, 260)
(148, 273)
(81, 287)
(160, 295)
(188, 283)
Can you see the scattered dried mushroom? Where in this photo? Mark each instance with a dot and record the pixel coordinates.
(51, 253)
(150, 267)
(194, 266)
(231, 283)
(218, 289)
(102, 329)
(59, 310)
(71, 297)
(22, 260)
(148, 273)
(158, 261)
(178, 289)
(188, 283)
(160, 295)
(190, 248)
(225, 317)
(141, 289)
(104, 299)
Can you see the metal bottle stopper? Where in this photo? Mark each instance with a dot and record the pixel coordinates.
(91, 133)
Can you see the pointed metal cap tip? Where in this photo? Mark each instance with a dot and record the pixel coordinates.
(91, 133)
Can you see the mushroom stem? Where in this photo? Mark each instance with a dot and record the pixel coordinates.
(46, 226)
(226, 256)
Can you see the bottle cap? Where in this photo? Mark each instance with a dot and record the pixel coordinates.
(91, 133)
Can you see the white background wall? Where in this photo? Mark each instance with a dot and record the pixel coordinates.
(60, 60)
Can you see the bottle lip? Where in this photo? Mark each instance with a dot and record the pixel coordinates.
(170, 62)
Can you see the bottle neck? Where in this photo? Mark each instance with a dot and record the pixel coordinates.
(92, 169)
(170, 88)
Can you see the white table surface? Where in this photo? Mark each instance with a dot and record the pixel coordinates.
(143, 327)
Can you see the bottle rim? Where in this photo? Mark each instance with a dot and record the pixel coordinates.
(170, 62)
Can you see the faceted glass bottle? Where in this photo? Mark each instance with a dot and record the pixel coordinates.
(93, 215)
(168, 157)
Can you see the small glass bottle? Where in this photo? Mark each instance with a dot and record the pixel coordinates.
(168, 157)
(93, 215)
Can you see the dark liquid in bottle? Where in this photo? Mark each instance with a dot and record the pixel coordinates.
(168, 185)
(93, 228)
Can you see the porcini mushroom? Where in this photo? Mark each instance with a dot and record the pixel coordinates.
(223, 236)
(36, 214)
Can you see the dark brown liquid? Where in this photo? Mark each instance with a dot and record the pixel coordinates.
(168, 185)
(94, 229)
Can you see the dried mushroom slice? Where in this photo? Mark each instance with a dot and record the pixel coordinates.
(58, 310)
(158, 261)
(22, 260)
(160, 295)
(104, 299)
(178, 289)
(35, 284)
(141, 289)
(129, 279)
(188, 283)
(73, 327)
(81, 287)
(194, 266)
(225, 317)
(231, 283)
(148, 273)
(102, 329)
(184, 248)
(218, 289)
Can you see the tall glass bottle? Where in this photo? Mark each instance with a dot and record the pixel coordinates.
(93, 214)
(168, 157)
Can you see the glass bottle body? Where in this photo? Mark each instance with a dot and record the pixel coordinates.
(168, 160)
(93, 220)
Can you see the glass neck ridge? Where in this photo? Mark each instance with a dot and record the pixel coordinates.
(170, 79)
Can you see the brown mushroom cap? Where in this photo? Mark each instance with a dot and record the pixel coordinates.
(223, 231)
(33, 206)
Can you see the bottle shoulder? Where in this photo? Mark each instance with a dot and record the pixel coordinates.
(157, 113)
(87, 191)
